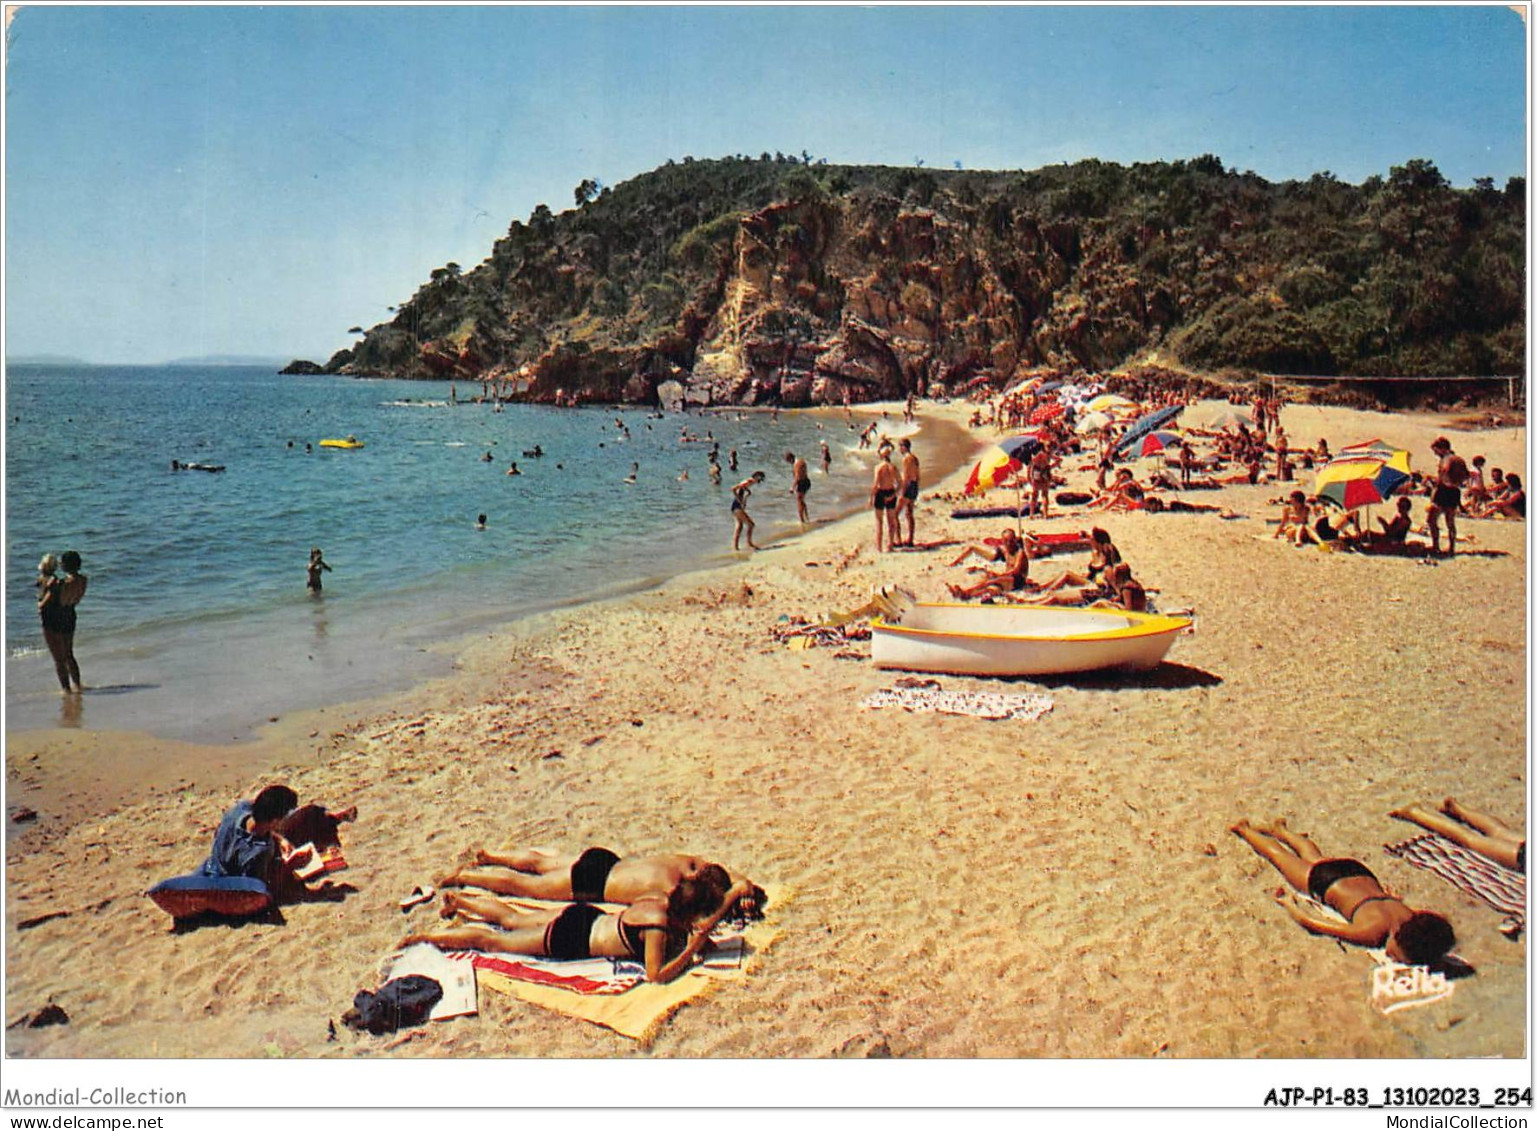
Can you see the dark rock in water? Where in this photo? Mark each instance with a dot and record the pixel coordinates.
(338, 359)
(302, 368)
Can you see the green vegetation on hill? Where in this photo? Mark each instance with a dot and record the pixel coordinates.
(780, 278)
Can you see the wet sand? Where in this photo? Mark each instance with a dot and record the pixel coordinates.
(966, 888)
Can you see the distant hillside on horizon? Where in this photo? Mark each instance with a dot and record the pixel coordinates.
(787, 280)
(230, 359)
(218, 359)
(43, 359)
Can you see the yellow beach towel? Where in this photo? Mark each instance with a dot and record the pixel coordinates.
(637, 1013)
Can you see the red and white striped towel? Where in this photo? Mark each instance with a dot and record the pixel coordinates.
(1498, 886)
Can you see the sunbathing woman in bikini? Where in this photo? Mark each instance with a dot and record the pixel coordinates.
(1154, 504)
(1372, 916)
(1509, 502)
(664, 932)
(1125, 494)
(1015, 576)
(1118, 589)
(595, 876)
(992, 550)
(1483, 834)
(1102, 555)
(1294, 519)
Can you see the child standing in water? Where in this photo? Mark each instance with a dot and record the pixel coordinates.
(317, 564)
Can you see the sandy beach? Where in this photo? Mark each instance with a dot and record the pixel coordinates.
(964, 888)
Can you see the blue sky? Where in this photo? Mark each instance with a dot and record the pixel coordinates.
(194, 180)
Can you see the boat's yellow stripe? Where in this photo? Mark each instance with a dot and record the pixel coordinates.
(1149, 624)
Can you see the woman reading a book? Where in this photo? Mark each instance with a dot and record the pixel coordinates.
(271, 838)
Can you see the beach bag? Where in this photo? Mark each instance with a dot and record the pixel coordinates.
(399, 1003)
(1457, 471)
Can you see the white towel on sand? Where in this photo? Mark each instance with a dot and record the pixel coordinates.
(456, 978)
(981, 704)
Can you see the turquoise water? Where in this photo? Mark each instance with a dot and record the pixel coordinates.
(198, 624)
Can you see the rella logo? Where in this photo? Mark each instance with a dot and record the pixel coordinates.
(1396, 987)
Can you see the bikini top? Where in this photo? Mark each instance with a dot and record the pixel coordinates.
(634, 939)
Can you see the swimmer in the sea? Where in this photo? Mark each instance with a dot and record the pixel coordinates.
(317, 564)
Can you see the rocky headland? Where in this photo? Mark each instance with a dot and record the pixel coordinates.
(786, 281)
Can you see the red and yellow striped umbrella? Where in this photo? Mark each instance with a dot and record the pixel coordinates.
(1001, 462)
(1362, 476)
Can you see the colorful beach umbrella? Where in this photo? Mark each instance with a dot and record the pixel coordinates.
(1362, 479)
(1110, 402)
(1374, 447)
(1229, 418)
(1093, 422)
(1001, 462)
(1145, 424)
(1157, 441)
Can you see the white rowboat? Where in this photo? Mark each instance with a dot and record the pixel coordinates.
(1020, 640)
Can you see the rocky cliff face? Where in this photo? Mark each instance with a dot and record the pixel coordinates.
(851, 285)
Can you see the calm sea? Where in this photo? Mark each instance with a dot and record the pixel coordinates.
(198, 625)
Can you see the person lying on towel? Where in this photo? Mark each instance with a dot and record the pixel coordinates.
(597, 875)
(1476, 831)
(1117, 588)
(664, 932)
(998, 549)
(1372, 916)
(256, 838)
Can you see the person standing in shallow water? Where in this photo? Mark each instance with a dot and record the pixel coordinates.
(314, 569)
(744, 522)
(802, 484)
(58, 617)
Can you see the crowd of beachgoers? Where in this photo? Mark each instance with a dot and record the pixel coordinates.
(663, 724)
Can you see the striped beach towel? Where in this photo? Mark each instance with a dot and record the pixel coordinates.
(1499, 887)
(585, 976)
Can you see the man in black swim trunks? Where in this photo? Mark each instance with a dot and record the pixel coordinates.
(802, 484)
(883, 500)
(1446, 499)
(909, 489)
